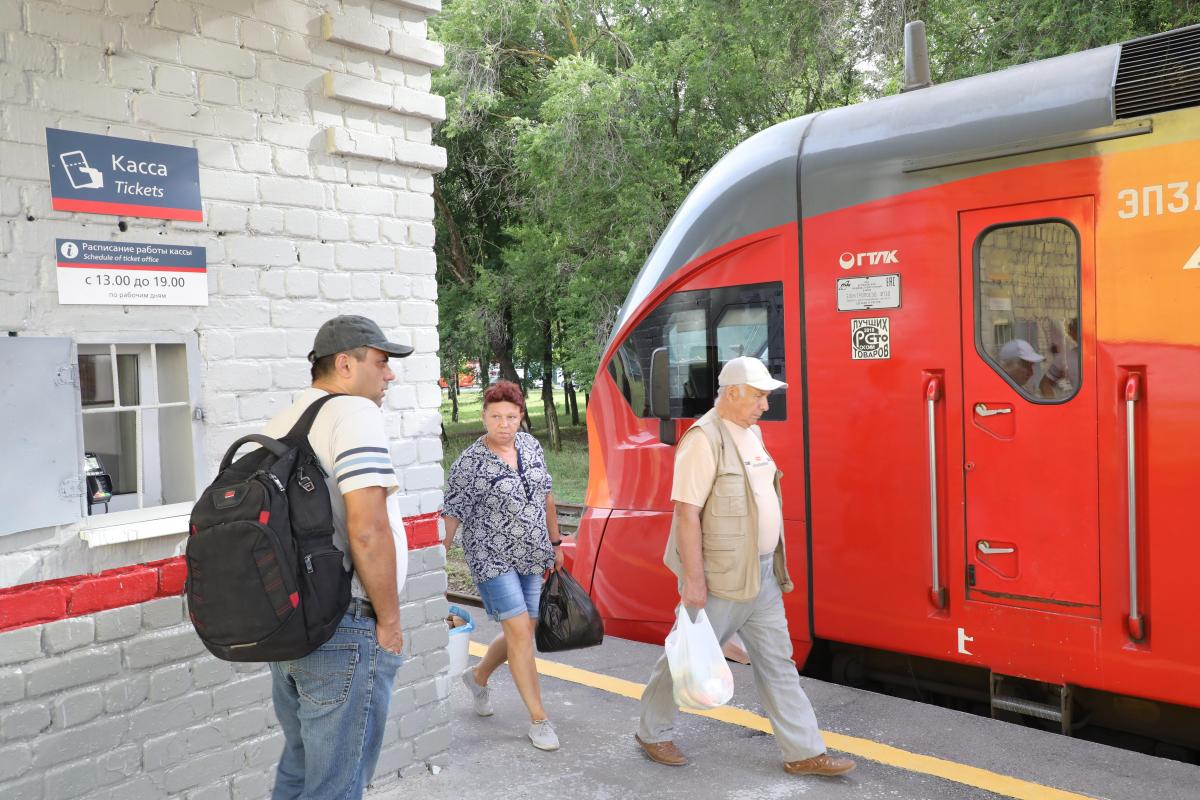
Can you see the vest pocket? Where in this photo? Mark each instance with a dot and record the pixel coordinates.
(729, 496)
(721, 571)
(710, 541)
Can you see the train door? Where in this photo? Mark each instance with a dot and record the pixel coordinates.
(1029, 416)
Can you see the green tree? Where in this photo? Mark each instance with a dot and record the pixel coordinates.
(624, 130)
(576, 127)
(971, 37)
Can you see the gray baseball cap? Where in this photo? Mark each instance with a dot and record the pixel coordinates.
(350, 331)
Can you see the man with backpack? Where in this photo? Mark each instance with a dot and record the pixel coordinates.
(332, 704)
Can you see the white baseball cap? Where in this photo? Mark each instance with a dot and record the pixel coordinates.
(750, 371)
(1019, 348)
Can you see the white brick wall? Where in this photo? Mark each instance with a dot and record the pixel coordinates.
(126, 703)
(314, 205)
(283, 228)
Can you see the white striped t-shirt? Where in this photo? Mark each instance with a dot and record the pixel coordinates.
(349, 439)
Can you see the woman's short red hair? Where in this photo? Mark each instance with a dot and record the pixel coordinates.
(504, 392)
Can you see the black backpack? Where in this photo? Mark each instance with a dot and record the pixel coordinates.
(265, 581)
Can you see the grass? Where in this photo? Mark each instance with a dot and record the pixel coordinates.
(569, 467)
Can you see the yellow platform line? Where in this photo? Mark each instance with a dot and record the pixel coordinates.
(987, 780)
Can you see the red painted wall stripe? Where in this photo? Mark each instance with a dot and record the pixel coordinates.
(137, 267)
(47, 601)
(127, 209)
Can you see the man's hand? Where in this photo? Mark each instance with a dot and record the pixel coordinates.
(695, 592)
(390, 636)
(558, 557)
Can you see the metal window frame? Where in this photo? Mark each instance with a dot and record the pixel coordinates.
(976, 290)
(713, 301)
(145, 522)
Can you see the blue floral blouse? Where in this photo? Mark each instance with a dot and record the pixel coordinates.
(502, 510)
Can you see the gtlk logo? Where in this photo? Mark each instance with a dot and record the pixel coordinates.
(850, 260)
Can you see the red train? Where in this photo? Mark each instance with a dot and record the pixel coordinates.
(985, 299)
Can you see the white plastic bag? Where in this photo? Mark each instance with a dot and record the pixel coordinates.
(701, 677)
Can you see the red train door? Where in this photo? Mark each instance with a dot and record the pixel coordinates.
(1029, 396)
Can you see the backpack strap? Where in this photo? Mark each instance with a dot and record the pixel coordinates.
(277, 449)
(305, 423)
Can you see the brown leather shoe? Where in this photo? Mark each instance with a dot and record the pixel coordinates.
(663, 752)
(823, 764)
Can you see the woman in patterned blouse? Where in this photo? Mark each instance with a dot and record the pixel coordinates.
(499, 493)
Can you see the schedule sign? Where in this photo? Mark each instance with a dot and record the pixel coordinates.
(124, 177)
(130, 273)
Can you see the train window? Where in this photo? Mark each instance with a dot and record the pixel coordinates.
(742, 331)
(701, 331)
(626, 372)
(1027, 307)
(688, 362)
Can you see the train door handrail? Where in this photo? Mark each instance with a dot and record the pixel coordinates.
(1133, 393)
(933, 393)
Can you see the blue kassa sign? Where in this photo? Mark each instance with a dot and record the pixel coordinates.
(124, 177)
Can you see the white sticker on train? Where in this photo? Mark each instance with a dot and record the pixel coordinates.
(870, 339)
(868, 293)
(1157, 199)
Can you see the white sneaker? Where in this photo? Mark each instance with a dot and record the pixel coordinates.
(482, 695)
(542, 734)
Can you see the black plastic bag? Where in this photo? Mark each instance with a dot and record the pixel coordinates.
(567, 620)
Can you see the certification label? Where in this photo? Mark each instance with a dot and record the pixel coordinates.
(130, 273)
(868, 292)
(870, 339)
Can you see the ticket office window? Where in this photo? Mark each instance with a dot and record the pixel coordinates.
(137, 426)
(702, 330)
(1027, 301)
(104, 433)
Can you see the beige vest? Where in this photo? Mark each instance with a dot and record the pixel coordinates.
(728, 524)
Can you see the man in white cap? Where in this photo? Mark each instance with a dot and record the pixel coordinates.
(1018, 359)
(726, 493)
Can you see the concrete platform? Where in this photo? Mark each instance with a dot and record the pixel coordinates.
(903, 749)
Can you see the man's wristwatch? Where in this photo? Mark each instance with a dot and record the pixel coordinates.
(554, 543)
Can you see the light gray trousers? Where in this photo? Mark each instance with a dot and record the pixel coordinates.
(763, 628)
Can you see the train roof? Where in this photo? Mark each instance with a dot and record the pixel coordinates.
(845, 156)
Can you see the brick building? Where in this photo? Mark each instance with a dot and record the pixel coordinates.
(311, 121)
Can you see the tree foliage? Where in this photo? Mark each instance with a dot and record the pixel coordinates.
(575, 128)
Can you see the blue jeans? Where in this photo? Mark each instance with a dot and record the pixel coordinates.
(511, 595)
(332, 706)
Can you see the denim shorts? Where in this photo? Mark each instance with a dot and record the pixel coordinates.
(510, 595)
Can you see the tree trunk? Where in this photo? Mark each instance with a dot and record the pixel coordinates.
(587, 398)
(523, 382)
(574, 403)
(500, 338)
(548, 393)
(453, 385)
(508, 370)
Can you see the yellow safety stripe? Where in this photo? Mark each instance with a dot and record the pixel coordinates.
(965, 774)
